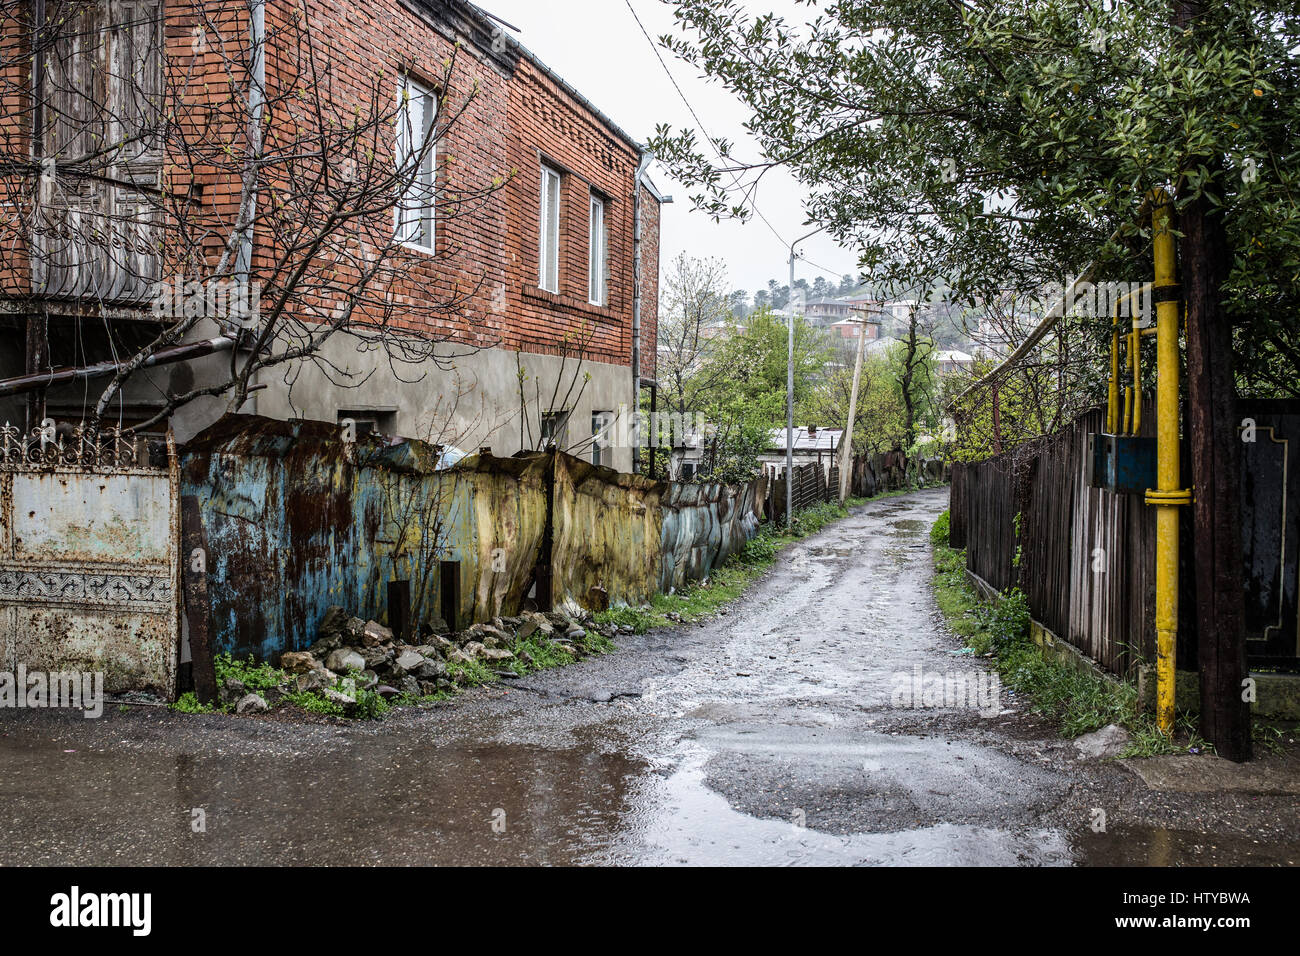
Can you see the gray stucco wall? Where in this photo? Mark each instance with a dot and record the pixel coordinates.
(468, 398)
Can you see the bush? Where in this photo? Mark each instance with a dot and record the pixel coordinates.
(1007, 619)
(256, 677)
(939, 530)
(188, 703)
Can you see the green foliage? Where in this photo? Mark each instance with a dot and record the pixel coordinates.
(811, 520)
(188, 703)
(471, 673)
(939, 530)
(256, 677)
(315, 703)
(1076, 700)
(995, 147)
(369, 704)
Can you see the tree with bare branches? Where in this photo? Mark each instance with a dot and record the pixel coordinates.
(193, 177)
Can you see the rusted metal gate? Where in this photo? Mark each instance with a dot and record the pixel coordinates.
(89, 557)
(1270, 514)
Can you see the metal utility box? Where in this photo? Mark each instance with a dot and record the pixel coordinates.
(1121, 463)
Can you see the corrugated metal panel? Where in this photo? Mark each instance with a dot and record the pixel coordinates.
(297, 520)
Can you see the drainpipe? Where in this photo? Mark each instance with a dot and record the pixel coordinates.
(256, 102)
(256, 106)
(637, 221)
(60, 376)
(1168, 496)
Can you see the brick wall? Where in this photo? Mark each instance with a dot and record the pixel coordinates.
(518, 117)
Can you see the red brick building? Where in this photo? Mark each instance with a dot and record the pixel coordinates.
(517, 232)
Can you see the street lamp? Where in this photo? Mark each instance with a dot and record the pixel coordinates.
(789, 391)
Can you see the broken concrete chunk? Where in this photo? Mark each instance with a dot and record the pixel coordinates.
(376, 657)
(497, 654)
(251, 704)
(321, 649)
(333, 622)
(298, 662)
(430, 670)
(232, 691)
(317, 679)
(338, 697)
(1107, 742)
(409, 660)
(345, 659)
(374, 634)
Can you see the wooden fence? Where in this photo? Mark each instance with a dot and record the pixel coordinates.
(1084, 557)
(872, 475)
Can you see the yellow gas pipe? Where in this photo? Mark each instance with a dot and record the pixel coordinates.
(1124, 420)
(1169, 494)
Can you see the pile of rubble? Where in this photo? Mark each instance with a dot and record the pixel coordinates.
(351, 654)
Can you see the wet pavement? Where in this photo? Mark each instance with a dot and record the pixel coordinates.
(771, 735)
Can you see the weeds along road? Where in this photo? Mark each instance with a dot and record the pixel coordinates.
(770, 735)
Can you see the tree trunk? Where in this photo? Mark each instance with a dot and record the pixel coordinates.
(1216, 463)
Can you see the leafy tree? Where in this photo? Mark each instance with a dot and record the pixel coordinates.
(694, 303)
(1001, 145)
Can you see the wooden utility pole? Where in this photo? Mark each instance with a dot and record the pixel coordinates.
(1216, 469)
(1212, 425)
(846, 446)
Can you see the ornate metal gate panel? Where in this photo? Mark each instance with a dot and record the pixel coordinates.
(89, 557)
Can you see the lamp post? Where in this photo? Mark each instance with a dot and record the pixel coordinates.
(789, 390)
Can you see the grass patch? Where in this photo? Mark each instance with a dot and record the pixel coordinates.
(188, 703)
(258, 678)
(315, 703)
(1076, 701)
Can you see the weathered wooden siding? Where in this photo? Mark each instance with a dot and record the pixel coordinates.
(1084, 557)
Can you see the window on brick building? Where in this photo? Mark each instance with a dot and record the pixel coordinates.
(554, 425)
(417, 109)
(597, 267)
(601, 450)
(549, 243)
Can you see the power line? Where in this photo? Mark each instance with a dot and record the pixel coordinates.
(735, 177)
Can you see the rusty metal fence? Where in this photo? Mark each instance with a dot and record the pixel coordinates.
(295, 520)
(89, 557)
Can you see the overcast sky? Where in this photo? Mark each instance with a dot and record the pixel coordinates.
(598, 48)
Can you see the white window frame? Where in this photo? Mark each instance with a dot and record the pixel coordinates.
(414, 215)
(601, 446)
(598, 263)
(548, 238)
